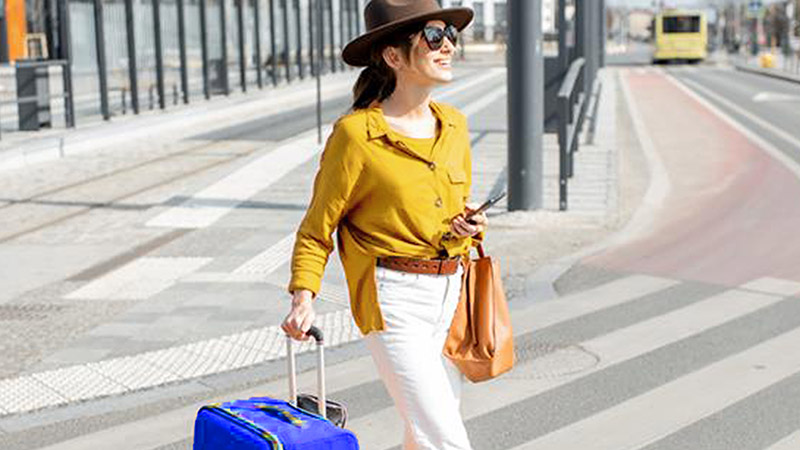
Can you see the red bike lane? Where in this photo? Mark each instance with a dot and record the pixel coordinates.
(732, 214)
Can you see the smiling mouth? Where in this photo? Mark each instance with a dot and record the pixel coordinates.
(443, 64)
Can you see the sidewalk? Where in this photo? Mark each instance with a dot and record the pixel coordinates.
(201, 288)
(785, 67)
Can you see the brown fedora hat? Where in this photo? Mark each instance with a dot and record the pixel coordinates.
(383, 17)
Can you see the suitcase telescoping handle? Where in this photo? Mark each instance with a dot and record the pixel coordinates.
(316, 333)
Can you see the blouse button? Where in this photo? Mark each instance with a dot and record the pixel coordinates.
(438, 203)
(432, 166)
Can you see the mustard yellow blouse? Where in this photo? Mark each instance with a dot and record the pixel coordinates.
(383, 197)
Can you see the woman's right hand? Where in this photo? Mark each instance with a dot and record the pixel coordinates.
(301, 317)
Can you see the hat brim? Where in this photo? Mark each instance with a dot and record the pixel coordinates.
(356, 52)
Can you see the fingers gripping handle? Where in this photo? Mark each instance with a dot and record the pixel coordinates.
(316, 333)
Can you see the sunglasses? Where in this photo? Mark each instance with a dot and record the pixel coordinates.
(434, 36)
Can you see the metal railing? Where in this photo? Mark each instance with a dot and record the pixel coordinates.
(571, 98)
(66, 92)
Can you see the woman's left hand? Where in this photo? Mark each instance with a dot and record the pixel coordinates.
(461, 228)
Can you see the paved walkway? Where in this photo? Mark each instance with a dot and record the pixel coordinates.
(200, 285)
(784, 67)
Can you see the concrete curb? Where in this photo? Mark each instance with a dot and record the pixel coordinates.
(540, 286)
(774, 73)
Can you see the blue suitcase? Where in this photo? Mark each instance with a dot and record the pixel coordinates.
(262, 423)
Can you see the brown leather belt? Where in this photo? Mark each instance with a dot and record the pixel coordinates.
(423, 266)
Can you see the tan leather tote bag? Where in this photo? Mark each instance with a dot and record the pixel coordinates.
(480, 341)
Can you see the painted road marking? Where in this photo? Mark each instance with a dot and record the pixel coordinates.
(138, 280)
(773, 151)
(258, 175)
(775, 97)
(681, 402)
(614, 293)
(240, 185)
(237, 350)
(791, 442)
(774, 286)
(611, 349)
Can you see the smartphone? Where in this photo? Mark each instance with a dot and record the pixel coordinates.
(486, 205)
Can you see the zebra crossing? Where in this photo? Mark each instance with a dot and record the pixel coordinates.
(640, 418)
(655, 364)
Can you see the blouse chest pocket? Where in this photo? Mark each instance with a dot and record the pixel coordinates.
(456, 175)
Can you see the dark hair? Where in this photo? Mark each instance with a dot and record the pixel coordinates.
(377, 81)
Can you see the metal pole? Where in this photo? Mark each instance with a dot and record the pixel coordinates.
(257, 24)
(298, 21)
(50, 27)
(292, 369)
(66, 71)
(132, 74)
(349, 19)
(563, 58)
(581, 43)
(182, 49)
(342, 39)
(319, 61)
(357, 12)
(603, 33)
(273, 48)
(242, 61)
(159, 57)
(591, 48)
(525, 104)
(99, 38)
(596, 23)
(332, 35)
(223, 26)
(204, 49)
(311, 41)
(286, 49)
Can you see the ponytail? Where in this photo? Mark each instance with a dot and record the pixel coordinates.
(373, 84)
(377, 81)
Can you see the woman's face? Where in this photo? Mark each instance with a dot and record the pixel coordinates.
(426, 66)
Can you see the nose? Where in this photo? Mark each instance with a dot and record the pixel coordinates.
(447, 46)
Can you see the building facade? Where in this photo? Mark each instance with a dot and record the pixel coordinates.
(491, 18)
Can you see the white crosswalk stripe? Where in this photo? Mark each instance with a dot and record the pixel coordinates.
(791, 442)
(613, 348)
(631, 423)
(647, 418)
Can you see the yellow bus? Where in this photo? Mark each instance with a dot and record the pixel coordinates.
(680, 35)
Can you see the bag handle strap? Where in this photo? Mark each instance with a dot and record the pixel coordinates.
(281, 414)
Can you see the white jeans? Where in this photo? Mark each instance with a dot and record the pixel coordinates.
(425, 386)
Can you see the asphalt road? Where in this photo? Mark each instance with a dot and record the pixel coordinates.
(769, 107)
(727, 222)
(668, 341)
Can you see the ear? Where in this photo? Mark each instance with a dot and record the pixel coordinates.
(392, 57)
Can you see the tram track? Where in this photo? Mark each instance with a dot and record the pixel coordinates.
(255, 131)
(128, 194)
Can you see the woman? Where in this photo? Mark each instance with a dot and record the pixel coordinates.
(393, 182)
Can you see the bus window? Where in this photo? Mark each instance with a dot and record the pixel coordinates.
(681, 24)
